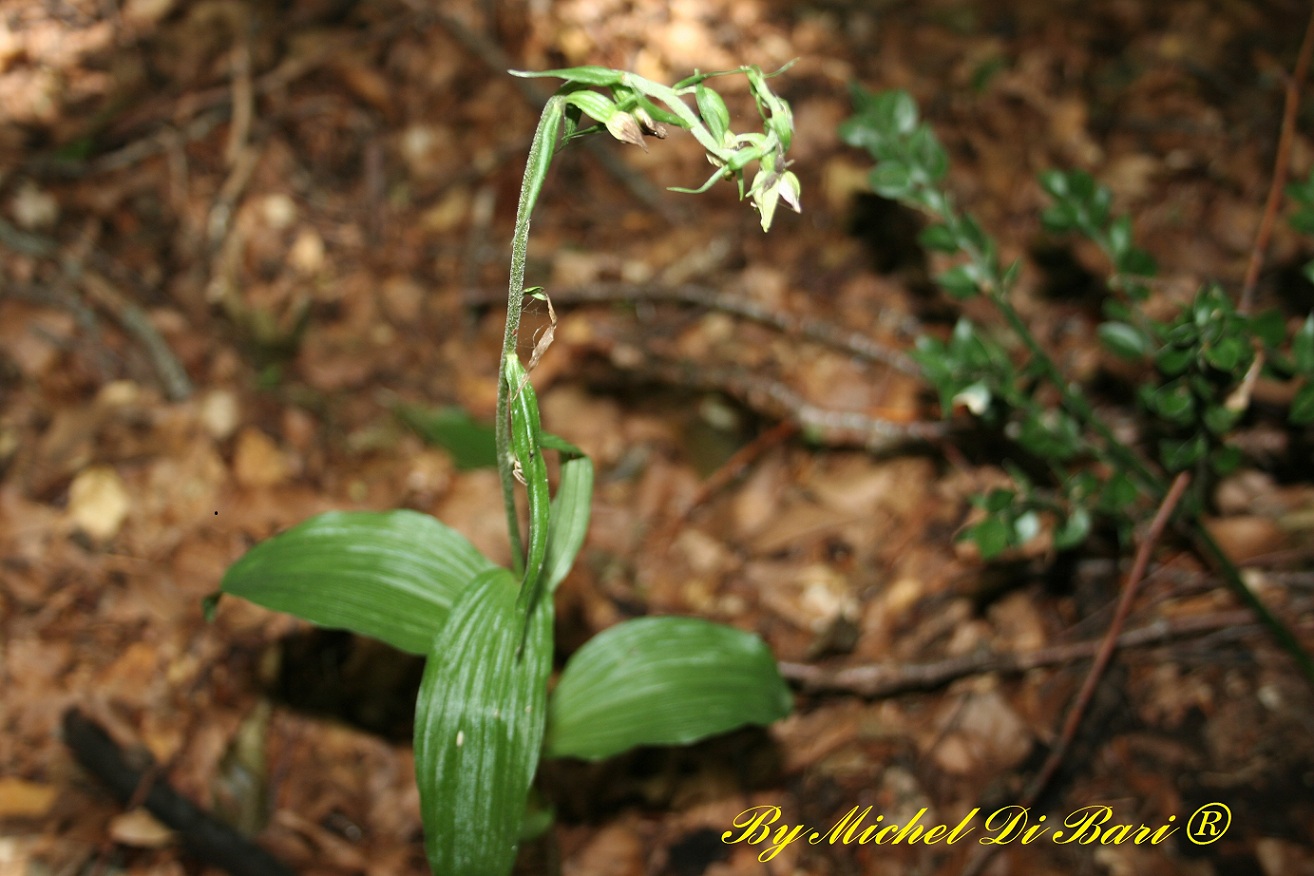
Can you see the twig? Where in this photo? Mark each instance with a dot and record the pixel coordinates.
(735, 466)
(26, 242)
(239, 131)
(853, 343)
(886, 680)
(173, 377)
(1281, 167)
(1110, 643)
(209, 839)
(869, 430)
(1102, 658)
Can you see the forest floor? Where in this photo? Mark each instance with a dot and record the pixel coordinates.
(235, 236)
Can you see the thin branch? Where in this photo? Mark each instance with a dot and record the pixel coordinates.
(881, 680)
(1281, 167)
(1110, 643)
(868, 429)
(25, 242)
(1102, 658)
(855, 344)
(173, 377)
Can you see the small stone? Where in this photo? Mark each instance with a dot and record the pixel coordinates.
(258, 461)
(98, 502)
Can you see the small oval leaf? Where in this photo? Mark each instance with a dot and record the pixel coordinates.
(1123, 340)
(662, 681)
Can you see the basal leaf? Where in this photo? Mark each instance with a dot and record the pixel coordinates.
(472, 444)
(391, 575)
(662, 681)
(479, 727)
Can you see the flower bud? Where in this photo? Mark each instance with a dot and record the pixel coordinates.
(625, 128)
(650, 126)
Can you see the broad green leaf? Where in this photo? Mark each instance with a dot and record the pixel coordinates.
(662, 681)
(479, 727)
(472, 444)
(569, 522)
(390, 575)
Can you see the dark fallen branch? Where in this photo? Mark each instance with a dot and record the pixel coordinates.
(883, 680)
(208, 839)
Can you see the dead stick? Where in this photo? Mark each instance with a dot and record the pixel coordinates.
(209, 839)
(173, 377)
(854, 343)
(1102, 658)
(1281, 167)
(875, 430)
(884, 680)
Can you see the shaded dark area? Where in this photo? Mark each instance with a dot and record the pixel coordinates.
(348, 678)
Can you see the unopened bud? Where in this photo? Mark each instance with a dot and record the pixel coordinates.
(650, 126)
(625, 128)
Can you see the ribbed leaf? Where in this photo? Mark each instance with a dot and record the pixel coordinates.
(391, 575)
(569, 519)
(662, 681)
(479, 727)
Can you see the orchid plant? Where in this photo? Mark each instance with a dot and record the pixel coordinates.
(484, 715)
